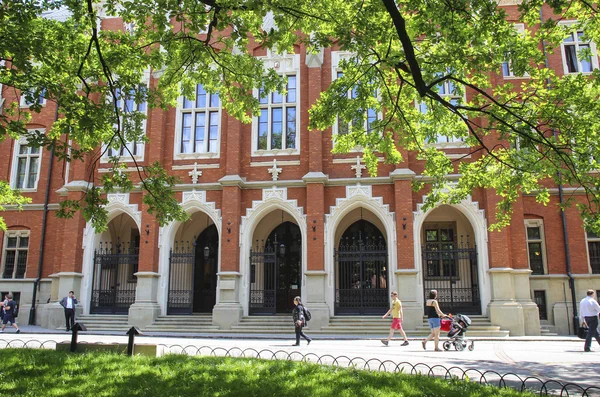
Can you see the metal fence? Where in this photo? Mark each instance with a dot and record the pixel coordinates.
(488, 377)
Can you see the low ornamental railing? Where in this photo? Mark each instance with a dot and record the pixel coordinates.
(488, 377)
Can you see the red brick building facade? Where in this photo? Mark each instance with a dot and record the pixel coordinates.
(275, 214)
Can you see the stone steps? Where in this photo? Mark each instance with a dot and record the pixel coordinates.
(104, 322)
(195, 323)
(547, 329)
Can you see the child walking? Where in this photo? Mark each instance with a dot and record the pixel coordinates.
(396, 310)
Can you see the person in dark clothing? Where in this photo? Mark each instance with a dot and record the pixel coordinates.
(299, 321)
(68, 303)
(433, 318)
(9, 311)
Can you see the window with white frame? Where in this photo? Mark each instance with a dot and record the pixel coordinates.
(199, 123)
(26, 166)
(33, 97)
(16, 247)
(507, 71)
(578, 53)
(275, 130)
(593, 243)
(448, 91)
(536, 246)
(128, 103)
(370, 115)
(277, 121)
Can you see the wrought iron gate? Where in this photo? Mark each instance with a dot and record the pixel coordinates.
(272, 288)
(182, 260)
(453, 273)
(114, 283)
(361, 282)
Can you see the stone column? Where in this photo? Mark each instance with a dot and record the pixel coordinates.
(316, 277)
(228, 311)
(407, 276)
(504, 310)
(521, 273)
(146, 309)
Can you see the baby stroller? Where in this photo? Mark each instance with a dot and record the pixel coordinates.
(458, 328)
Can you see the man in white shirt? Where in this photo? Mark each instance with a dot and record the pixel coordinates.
(589, 310)
(69, 302)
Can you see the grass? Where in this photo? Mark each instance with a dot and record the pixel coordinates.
(40, 373)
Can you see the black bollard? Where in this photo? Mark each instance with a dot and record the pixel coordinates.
(77, 327)
(133, 331)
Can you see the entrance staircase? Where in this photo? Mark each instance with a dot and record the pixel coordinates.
(104, 322)
(277, 324)
(375, 326)
(188, 324)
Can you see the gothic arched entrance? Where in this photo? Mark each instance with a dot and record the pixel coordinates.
(115, 264)
(450, 261)
(361, 270)
(275, 271)
(193, 265)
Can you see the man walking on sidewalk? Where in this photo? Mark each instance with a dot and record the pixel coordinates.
(589, 310)
(69, 302)
(396, 310)
(9, 311)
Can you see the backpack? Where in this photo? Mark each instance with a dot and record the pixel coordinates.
(307, 315)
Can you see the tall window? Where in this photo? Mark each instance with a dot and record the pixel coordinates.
(536, 246)
(277, 122)
(127, 104)
(370, 115)
(200, 119)
(26, 166)
(33, 97)
(15, 255)
(446, 90)
(594, 251)
(575, 51)
(507, 71)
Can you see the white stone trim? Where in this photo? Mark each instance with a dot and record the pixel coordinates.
(118, 203)
(357, 196)
(272, 199)
(470, 209)
(191, 202)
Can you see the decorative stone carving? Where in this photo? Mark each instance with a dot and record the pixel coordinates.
(195, 174)
(274, 171)
(358, 167)
(198, 196)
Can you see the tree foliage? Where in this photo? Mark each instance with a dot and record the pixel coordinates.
(522, 134)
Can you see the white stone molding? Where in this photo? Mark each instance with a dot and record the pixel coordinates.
(191, 202)
(118, 203)
(358, 167)
(272, 199)
(274, 171)
(357, 196)
(476, 217)
(195, 174)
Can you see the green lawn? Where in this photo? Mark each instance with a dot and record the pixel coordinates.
(29, 372)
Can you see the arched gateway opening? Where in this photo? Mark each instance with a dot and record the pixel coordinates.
(361, 270)
(450, 261)
(275, 267)
(115, 264)
(193, 264)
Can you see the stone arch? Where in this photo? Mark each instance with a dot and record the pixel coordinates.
(192, 202)
(357, 197)
(272, 200)
(476, 217)
(118, 204)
